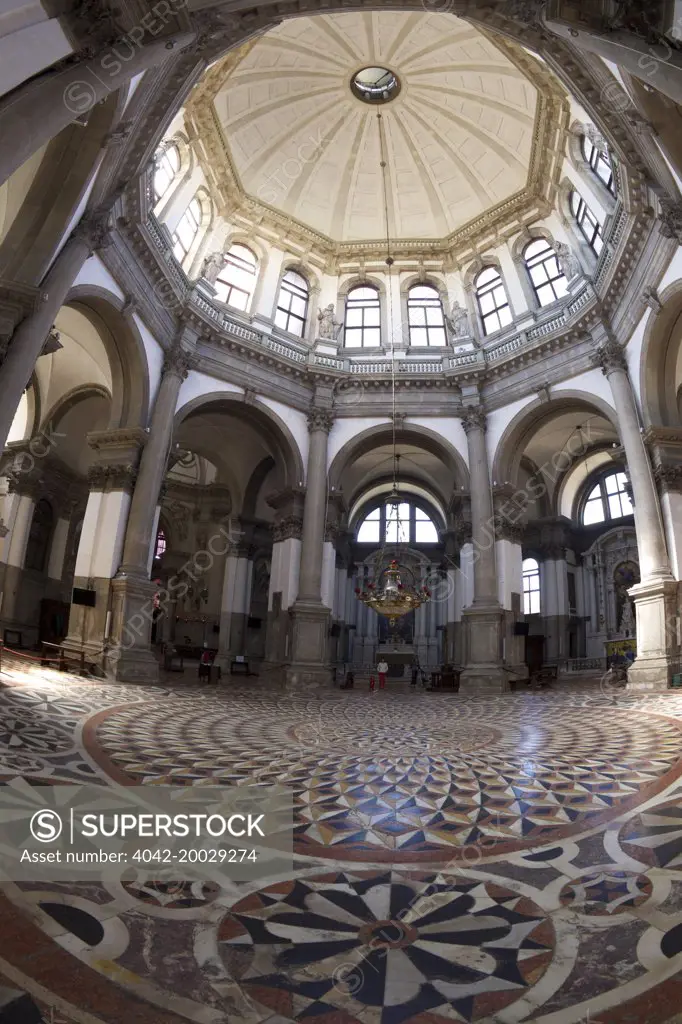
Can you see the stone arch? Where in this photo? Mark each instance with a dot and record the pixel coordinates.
(411, 433)
(67, 401)
(125, 350)
(661, 361)
(259, 416)
(513, 442)
(253, 488)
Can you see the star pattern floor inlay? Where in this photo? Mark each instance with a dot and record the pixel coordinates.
(505, 859)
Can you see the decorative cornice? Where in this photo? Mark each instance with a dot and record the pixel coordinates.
(320, 419)
(474, 418)
(508, 528)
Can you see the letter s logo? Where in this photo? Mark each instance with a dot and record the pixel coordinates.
(46, 826)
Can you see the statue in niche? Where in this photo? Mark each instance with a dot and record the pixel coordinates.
(568, 261)
(329, 326)
(212, 266)
(458, 320)
(625, 575)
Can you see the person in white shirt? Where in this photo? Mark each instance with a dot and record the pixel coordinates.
(382, 669)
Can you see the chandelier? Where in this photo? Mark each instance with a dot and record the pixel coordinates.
(389, 594)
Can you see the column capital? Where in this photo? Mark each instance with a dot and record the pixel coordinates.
(670, 218)
(669, 478)
(320, 419)
(610, 357)
(177, 361)
(112, 477)
(474, 418)
(287, 527)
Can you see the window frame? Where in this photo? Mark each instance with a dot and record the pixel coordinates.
(412, 520)
(425, 303)
(293, 291)
(240, 265)
(530, 575)
(495, 284)
(543, 258)
(161, 542)
(161, 156)
(363, 305)
(587, 221)
(595, 158)
(599, 482)
(195, 218)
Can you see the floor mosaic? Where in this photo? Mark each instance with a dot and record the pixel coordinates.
(506, 859)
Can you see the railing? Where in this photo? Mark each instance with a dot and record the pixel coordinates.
(513, 341)
(585, 665)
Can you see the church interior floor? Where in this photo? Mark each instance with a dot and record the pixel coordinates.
(506, 859)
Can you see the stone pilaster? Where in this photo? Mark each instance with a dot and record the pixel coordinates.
(483, 621)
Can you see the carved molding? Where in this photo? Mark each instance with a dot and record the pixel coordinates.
(669, 478)
(177, 361)
(671, 219)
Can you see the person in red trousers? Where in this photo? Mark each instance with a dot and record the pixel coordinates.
(382, 669)
(371, 682)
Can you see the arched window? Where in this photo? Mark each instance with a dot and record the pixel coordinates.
(425, 316)
(608, 499)
(363, 317)
(600, 162)
(547, 277)
(493, 304)
(404, 523)
(587, 222)
(292, 304)
(236, 281)
(187, 229)
(531, 586)
(39, 537)
(161, 543)
(166, 166)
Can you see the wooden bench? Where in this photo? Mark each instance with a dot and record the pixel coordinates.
(63, 656)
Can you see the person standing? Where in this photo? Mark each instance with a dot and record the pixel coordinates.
(382, 669)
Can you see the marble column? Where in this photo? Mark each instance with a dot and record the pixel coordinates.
(310, 617)
(132, 606)
(28, 339)
(36, 112)
(287, 530)
(483, 671)
(655, 597)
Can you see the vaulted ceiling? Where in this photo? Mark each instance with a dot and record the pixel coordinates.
(459, 139)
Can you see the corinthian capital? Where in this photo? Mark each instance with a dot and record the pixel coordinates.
(671, 220)
(473, 418)
(178, 361)
(610, 357)
(320, 419)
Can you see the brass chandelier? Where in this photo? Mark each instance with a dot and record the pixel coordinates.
(389, 594)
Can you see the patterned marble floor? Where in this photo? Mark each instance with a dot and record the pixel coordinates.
(503, 859)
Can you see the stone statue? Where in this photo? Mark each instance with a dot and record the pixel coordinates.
(212, 266)
(568, 261)
(627, 622)
(329, 326)
(458, 321)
